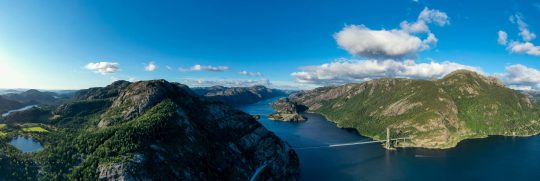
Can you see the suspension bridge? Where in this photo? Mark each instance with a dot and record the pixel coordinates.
(387, 144)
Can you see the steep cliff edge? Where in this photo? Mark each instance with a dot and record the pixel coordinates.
(287, 111)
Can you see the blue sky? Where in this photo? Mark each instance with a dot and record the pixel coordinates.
(287, 44)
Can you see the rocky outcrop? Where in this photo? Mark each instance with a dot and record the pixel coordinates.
(238, 96)
(138, 97)
(287, 111)
(181, 136)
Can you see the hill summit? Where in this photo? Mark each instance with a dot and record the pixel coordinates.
(433, 113)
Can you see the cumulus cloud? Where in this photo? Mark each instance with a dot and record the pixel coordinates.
(377, 44)
(251, 74)
(395, 43)
(517, 46)
(103, 67)
(521, 77)
(345, 71)
(524, 47)
(150, 67)
(503, 37)
(206, 68)
(225, 82)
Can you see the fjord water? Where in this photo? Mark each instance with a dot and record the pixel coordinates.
(492, 158)
(26, 145)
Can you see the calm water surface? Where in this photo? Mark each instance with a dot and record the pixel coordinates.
(26, 145)
(493, 158)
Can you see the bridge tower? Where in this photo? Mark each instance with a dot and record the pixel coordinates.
(387, 138)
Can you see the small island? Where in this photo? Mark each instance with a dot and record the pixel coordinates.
(287, 111)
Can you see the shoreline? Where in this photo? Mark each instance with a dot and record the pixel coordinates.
(413, 146)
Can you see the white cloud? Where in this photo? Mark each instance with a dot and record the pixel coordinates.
(378, 44)
(524, 47)
(251, 74)
(433, 16)
(391, 44)
(150, 67)
(346, 71)
(168, 67)
(425, 17)
(225, 82)
(516, 46)
(415, 27)
(103, 67)
(525, 34)
(521, 77)
(206, 68)
(503, 38)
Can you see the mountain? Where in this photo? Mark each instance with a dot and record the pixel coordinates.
(7, 105)
(157, 130)
(11, 91)
(33, 96)
(31, 115)
(238, 96)
(432, 113)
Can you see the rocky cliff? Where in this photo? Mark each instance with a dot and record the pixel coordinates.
(287, 111)
(238, 96)
(433, 113)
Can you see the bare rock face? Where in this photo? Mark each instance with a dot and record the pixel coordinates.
(117, 172)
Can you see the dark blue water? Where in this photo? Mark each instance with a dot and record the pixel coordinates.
(26, 145)
(493, 158)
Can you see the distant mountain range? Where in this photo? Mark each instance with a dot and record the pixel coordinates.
(15, 99)
(238, 96)
(432, 113)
